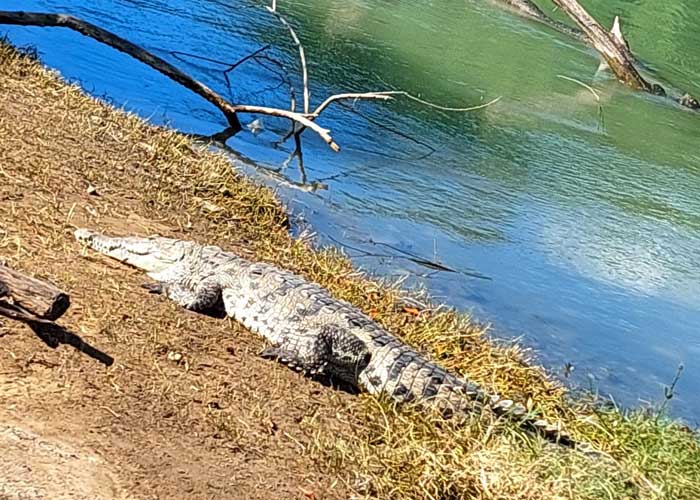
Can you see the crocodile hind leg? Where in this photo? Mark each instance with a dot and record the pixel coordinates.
(330, 350)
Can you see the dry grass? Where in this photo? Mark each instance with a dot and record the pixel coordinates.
(160, 182)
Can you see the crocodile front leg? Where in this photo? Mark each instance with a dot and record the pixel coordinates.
(204, 297)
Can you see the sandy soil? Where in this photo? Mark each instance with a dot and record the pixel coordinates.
(186, 409)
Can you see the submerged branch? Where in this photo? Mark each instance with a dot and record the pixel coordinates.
(601, 118)
(528, 10)
(229, 110)
(383, 96)
(386, 95)
(584, 85)
(304, 120)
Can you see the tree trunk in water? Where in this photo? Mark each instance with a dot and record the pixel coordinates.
(617, 57)
(611, 45)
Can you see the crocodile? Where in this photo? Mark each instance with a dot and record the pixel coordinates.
(307, 328)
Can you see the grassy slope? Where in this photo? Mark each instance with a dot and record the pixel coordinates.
(381, 451)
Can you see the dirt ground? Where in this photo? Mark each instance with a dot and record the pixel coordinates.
(135, 398)
(139, 399)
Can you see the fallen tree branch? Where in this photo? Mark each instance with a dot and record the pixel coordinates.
(122, 45)
(528, 10)
(616, 53)
(18, 314)
(386, 95)
(584, 85)
(108, 38)
(612, 46)
(230, 111)
(448, 108)
(305, 120)
(383, 96)
(601, 118)
(617, 58)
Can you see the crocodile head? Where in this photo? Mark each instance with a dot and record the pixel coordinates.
(152, 254)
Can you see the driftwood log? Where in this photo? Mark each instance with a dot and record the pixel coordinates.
(528, 10)
(33, 297)
(615, 51)
(17, 313)
(611, 46)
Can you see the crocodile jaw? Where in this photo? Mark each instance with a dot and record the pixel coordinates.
(153, 254)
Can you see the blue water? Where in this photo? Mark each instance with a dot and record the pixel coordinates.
(575, 232)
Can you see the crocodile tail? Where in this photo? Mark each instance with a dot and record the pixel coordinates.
(453, 395)
(407, 377)
(516, 411)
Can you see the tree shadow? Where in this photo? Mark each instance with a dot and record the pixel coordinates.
(51, 334)
(54, 335)
(335, 383)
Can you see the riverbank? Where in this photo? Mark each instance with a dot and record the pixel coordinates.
(188, 410)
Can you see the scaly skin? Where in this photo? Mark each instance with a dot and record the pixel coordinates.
(307, 327)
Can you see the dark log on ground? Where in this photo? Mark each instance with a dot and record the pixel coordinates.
(38, 298)
(108, 38)
(17, 313)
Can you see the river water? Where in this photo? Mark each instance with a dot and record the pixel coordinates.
(569, 222)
